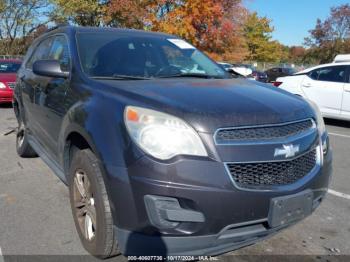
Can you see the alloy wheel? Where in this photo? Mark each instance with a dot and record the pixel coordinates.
(84, 201)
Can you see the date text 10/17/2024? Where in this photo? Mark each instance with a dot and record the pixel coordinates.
(172, 258)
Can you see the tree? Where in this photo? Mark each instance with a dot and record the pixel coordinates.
(212, 26)
(135, 14)
(18, 19)
(257, 32)
(329, 37)
(80, 12)
(297, 54)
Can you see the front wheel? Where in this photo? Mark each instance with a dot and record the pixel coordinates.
(90, 205)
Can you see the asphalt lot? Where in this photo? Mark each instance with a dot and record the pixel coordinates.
(35, 215)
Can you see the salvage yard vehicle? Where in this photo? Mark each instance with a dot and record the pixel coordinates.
(8, 70)
(326, 85)
(163, 152)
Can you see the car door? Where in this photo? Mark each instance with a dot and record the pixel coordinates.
(345, 111)
(50, 96)
(325, 86)
(28, 83)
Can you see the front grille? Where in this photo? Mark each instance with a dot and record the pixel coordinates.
(258, 175)
(11, 84)
(229, 135)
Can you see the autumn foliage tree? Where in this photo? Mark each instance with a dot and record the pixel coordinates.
(81, 12)
(211, 25)
(331, 36)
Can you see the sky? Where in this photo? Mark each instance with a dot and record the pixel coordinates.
(292, 19)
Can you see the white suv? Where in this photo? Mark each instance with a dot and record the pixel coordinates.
(327, 85)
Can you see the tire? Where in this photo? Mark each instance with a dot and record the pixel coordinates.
(90, 205)
(23, 147)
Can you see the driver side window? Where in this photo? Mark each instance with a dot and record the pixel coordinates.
(60, 51)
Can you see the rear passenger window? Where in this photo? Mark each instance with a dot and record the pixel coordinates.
(40, 53)
(329, 74)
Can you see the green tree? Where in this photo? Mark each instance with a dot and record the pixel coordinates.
(257, 33)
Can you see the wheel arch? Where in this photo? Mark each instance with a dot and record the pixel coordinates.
(76, 139)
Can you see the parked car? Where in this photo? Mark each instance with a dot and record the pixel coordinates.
(260, 76)
(274, 73)
(225, 66)
(327, 85)
(251, 72)
(235, 71)
(8, 70)
(243, 70)
(160, 160)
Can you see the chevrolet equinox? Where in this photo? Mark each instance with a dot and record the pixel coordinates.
(164, 153)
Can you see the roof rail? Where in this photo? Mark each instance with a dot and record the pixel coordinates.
(57, 26)
(342, 58)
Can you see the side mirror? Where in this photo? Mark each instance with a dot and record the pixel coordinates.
(50, 68)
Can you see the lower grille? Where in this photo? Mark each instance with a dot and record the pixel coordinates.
(11, 84)
(259, 175)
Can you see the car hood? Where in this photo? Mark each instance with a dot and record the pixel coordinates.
(211, 104)
(7, 77)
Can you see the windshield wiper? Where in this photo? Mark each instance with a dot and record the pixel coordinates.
(189, 75)
(121, 77)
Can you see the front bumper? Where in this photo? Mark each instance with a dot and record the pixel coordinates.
(233, 218)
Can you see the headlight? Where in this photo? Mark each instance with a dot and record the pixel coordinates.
(319, 119)
(2, 85)
(161, 135)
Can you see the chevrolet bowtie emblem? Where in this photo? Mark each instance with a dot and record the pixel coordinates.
(287, 151)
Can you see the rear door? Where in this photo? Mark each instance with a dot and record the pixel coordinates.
(346, 96)
(325, 87)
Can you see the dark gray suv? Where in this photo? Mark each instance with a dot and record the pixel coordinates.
(163, 152)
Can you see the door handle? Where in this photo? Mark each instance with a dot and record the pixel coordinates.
(307, 85)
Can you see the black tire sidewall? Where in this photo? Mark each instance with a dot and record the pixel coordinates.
(86, 161)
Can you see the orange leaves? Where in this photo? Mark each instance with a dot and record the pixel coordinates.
(213, 26)
(209, 25)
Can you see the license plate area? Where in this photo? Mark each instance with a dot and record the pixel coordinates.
(288, 209)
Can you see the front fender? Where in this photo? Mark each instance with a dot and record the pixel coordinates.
(103, 129)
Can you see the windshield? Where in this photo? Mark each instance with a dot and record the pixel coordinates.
(9, 67)
(120, 55)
